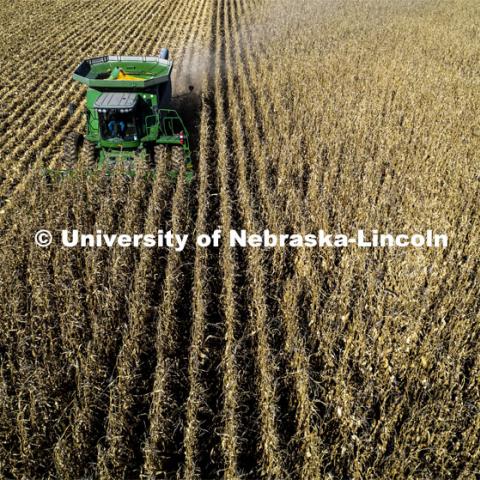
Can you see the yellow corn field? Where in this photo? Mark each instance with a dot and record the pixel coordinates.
(246, 363)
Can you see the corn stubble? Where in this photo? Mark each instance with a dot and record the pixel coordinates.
(247, 363)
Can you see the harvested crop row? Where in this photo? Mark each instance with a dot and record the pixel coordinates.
(46, 127)
(31, 116)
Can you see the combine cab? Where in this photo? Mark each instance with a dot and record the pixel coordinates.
(128, 114)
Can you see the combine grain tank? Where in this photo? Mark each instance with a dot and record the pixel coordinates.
(127, 113)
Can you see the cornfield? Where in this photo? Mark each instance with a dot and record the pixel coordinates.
(254, 363)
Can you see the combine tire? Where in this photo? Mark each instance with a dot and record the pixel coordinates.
(70, 149)
(88, 154)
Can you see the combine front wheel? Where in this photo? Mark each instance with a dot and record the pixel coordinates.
(88, 154)
(70, 149)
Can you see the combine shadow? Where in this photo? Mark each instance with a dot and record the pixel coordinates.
(188, 105)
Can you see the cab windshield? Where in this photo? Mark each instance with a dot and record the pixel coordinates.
(118, 126)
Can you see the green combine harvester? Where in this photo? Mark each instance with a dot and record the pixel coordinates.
(128, 115)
